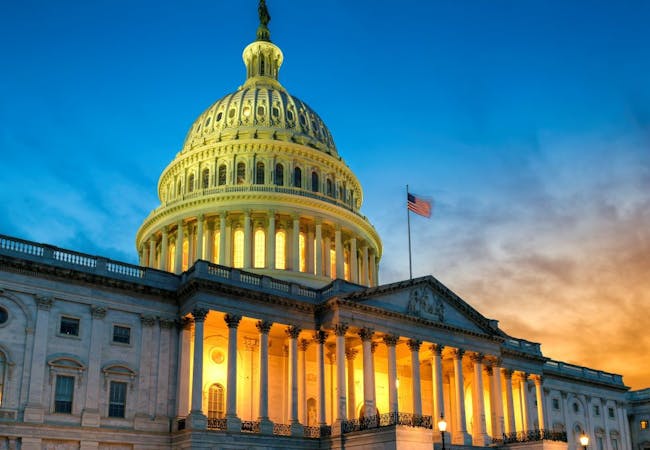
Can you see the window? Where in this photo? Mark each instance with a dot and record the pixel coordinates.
(215, 402)
(297, 177)
(69, 326)
(330, 190)
(259, 173)
(599, 443)
(205, 178)
(63, 394)
(260, 112)
(614, 444)
(260, 246)
(117, 399)
(596, 410)
(644, 424)
(279, 174)
(121, 334)
(4, 315)
(219, 116)
(190, 183)
(314, 182)
(276, 112)
(576, 408)
(3, 369)
(556, 403)
(241, 173)
(238, 252)
(222, 174)
(610, 412)
(280, 248)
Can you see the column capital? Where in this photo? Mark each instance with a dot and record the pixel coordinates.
(414, 344)
(390, 340)
(351, 353)
(304, 344)
(488, 370)
(521, 376)
(457, 353)
(366, 333)
(166, 323)
(232, 320)
(437, 349)
(147, 321)
(44, 302)
(200, 217)
(223, 215)
(264, 326)
(97, 312)
(373, 346)
(293, 331)
(320, 336)
(507, 373)
(477, 357)
(185, 323)
(538, 379)
(200, 314)
(165, 230)
(341, 328)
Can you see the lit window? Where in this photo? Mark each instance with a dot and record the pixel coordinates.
(279, 174)
(259, 173)
(215, 251)
(186, 255)
(238, 253)
(280, 248)
(260, 246)
(644, 424)
(3, 369)
(215, 402)
(205, 178)
(121, 334)
(241, 173)
(63, 394)
(190, 183)
(222, 174)
(297, 177)
(302, 248)
(69, 326)
(117, 399)
(333, 263)
(314, 182)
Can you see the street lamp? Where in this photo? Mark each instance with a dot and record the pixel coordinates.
(442, 426)
(584, 440)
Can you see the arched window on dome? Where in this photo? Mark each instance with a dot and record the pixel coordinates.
(238, 249)
(260, 249)
(190, 183)
(205, 178)
(302, 251)
(279, 174)
(216, 402)
(280, 249)
(241, 173)
(3, 371)
(262, 66)
(314, 182)
(351, 199)
(329, 187)
(222, 175)
(259, 173)
(297, 177)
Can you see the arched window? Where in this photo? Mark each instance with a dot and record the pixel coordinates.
(238, 250)
(297, 177)
(216, 402)
(262, 66)
(279, 174)
(241, 173)
(222, 175)
(3, 370)
(280, 250)
(259, 173)
(190, 183)
(314, 182)
(260, 249)
(330, 189)
(302, 251)
(205, 178)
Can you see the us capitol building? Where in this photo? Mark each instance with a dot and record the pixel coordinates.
(256, 320)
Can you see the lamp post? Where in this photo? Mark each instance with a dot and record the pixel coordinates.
(442, 426)
(584, 440)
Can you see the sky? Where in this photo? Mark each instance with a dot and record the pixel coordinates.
(526, 122)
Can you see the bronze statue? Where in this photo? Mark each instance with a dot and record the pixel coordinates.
(263, 33)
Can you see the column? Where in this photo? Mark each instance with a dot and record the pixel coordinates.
(248, 240)
(391, 342)
(340, 256)
(152, 252)
(197, 419)
(270, 242)
(539, 393)
(350, 354)
(233, 423)
(373, 388)
(302, 378)
(209, 242)
(309, 250)
(340, 329)
(164, 249)
(222, 239)
(510, 425)
(373, 270)
(460, 436)
(354, 269)
(34, 410)
(523, 389)
(319, 248)
(90, 415)
(163, 386)
(266, 426)
(479, 434)
(292, 333)
(364, 266)
(178, 251)
(199, 237)
(295, 247)
(436, 380)
(184, 354)
(496, 396)
(368, 375)
(416, 389)
(328, 257)
(321, 337)
(191, 247)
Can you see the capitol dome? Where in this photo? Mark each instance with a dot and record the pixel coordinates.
(259, 186)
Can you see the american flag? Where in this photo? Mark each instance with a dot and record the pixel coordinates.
(418, 205)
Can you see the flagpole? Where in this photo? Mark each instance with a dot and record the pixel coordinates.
(408, 221)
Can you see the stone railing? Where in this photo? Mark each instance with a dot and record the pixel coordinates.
(282, 429)
(562, 368)
(250, 426)
(531, 436)
(524, 346)
(385, 420)
(218, 424)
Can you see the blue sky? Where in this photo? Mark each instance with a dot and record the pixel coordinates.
(528, 122)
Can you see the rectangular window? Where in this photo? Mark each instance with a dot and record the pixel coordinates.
(117, 399)
(556, 404)
(614, 444)
(644, 424)
(69, 326)
(596, 410)
(63, 394)
(599, 443)
(610, 412)
(121, 334)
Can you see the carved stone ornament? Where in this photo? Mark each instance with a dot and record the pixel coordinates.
(320, 336)
(340, 329)
(166, 324)
(351, 353)
(148, 321)
(422, 303)
(390, 340)
(414, 344)
(366, 334)
(293, 331)
(43, 302)
(437, 349)
(304, 344)
(264, 326)
(232, 320)
(98, 312)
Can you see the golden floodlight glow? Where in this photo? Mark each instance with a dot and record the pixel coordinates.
(442, 424)
(584, 440)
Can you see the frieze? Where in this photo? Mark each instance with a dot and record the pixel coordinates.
(421, 302)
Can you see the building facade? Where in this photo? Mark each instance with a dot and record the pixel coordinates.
(256, 319)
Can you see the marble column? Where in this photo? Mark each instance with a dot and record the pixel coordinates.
(302, 378)
(309, 251)
(292, 333)
(295, 247)
(199, 237)
(233, 423)
(479, 433)
(460, 437)
(496, 400)
(340, 329)
(523, 389)
(90, 414)
(248, 240)
(370, 409)
(319, 248)
(152, 253)
(364, 265)
(34, 410)
(539, 393)
(178, 251)
(391, 342)
(197, 419)
(191, 247)
(209, 241)
(222, 239)
(416, 389)
(354, 269)
(340, 256)
(373, 270)
(510, 424)
(266, 426)
(350, 354)
(321, 337)
(270, 242)
(164, 249)
(436, 382)
(184, 355)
